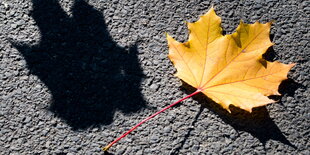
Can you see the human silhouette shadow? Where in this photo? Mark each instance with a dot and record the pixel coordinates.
(87, 73)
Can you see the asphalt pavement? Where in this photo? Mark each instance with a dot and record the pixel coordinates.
(76, 74)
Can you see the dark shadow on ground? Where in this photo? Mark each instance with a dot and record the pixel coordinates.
(107, 153)
(258, 123)
(87, 73)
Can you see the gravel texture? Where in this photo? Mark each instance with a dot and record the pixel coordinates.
(76, 74)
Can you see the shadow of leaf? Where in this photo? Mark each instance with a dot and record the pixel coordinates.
(258, 123)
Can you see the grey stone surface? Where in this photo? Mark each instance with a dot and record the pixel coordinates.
(76, 74)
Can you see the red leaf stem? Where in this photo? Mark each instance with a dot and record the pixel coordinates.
(148, 118)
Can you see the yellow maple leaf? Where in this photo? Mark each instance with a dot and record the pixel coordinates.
(228, 69)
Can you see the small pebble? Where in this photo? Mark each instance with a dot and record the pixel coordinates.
(154, 87)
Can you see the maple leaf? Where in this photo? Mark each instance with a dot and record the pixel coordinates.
(228, 69)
